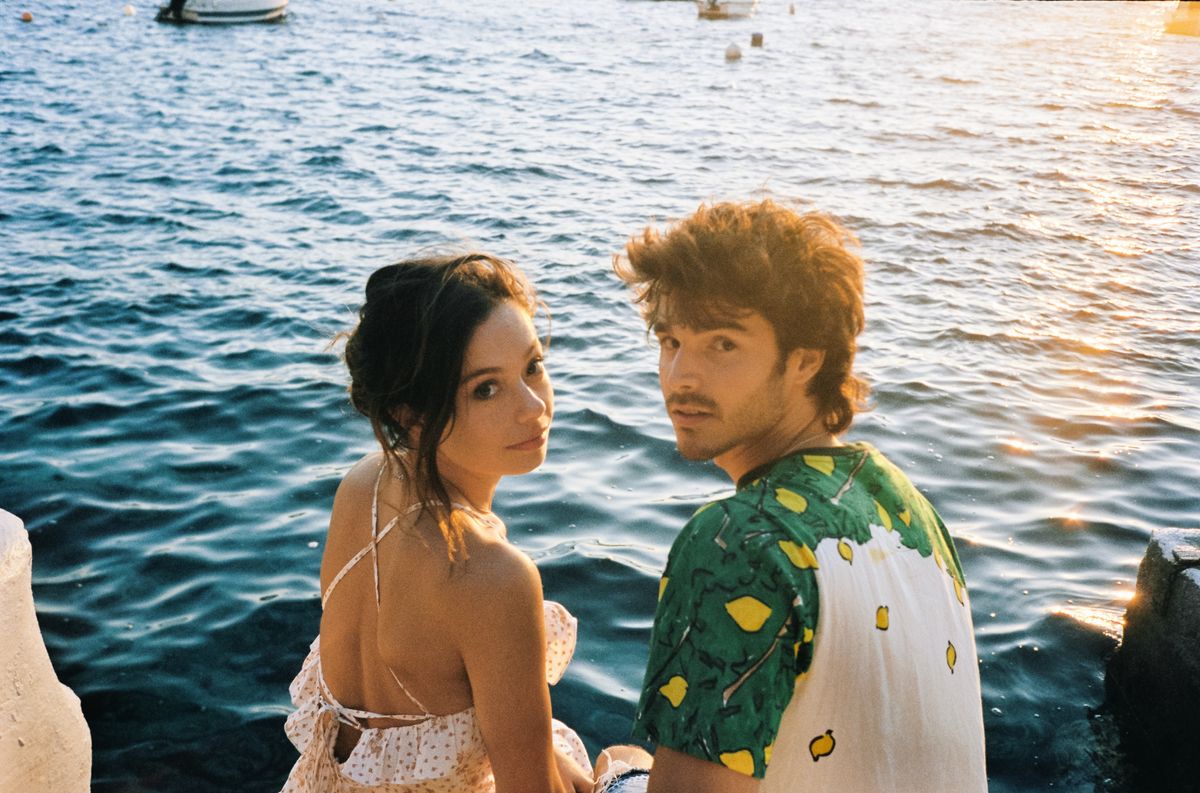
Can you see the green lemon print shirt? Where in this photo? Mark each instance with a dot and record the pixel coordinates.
(814, 628)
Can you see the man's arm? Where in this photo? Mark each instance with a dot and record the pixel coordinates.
(676, 772)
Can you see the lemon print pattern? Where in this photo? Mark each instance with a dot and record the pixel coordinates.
(884, 518)
(741, 761)
(748, 613)
(799, 555)
(675, 690)
(737, 618)
(951, 656)
(820, 462)
(793, 501)
(822, 745)
(846, 551)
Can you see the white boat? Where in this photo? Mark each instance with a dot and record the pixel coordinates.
(726, 9)
(222, 12)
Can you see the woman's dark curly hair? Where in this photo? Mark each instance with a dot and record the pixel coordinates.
(796, 269)
(406, 357)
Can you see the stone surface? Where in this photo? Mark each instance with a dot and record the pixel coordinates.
(1184, 20)
(1153, 679)
(45, 744)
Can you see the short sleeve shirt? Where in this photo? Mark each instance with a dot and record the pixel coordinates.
(739, 602)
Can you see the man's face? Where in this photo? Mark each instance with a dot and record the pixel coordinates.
(724, 388)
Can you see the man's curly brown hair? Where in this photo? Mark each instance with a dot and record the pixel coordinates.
(795, 269)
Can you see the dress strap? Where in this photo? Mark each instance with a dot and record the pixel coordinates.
(372, 547)
(354, 716)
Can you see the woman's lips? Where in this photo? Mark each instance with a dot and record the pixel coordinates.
(536, 442)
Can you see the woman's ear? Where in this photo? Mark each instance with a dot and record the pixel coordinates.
(406, 417)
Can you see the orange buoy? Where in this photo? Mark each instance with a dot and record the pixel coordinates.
(26, 16)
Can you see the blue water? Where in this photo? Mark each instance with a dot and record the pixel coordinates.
(187, 216)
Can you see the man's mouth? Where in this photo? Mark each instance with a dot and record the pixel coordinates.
(689, 416)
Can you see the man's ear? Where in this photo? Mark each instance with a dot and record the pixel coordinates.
(803, 365)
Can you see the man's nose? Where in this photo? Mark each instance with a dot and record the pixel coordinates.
(679, 372)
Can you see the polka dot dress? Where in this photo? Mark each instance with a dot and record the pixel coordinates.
(443, 754)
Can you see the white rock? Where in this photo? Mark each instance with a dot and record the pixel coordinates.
(45, 744)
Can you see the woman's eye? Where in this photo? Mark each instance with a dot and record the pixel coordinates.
(485, 390)
(668, 342)
(536, 366)
(725, 345)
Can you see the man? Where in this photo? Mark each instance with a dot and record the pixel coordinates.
(813, 631)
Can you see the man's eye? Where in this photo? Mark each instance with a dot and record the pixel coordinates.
(536, 366)
(485, 390)
(725, 345)
(668, 342)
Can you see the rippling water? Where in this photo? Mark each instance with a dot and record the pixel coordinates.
(187, 216)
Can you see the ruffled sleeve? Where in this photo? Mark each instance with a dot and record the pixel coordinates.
(305, 691)
(560, 639)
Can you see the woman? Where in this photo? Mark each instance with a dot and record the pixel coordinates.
(431, 668)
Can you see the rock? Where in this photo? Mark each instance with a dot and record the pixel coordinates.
(45, 744)
(1153, 679)
(1185, 19)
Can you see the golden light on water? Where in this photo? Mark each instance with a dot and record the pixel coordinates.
(1018, 446)
(1108, 620)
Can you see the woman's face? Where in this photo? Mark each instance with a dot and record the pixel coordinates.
(504, 403)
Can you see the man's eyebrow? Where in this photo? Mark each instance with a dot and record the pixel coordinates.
(494, 369)
(659, 328)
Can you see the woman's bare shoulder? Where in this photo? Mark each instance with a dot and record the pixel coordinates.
(495, 570)
(360, 479)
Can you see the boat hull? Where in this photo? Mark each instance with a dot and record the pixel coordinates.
(726, 9)
(227, 12)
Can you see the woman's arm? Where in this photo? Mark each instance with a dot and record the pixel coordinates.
(503, 645)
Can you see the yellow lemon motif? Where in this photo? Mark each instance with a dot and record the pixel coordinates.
(741, 761)
(662, 586)
(808, 635)
(845, 551)
(799, 555)
(905, 516)
(884, 517)
(881, 618)
(706, 506)
(822, 746)
(951, 656)
(958, 591)
(675, 690)
(748, 613)
(796, 649)
(819, 462)
(767, 753)
(793, 501)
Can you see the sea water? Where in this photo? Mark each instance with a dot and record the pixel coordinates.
(188, 216)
